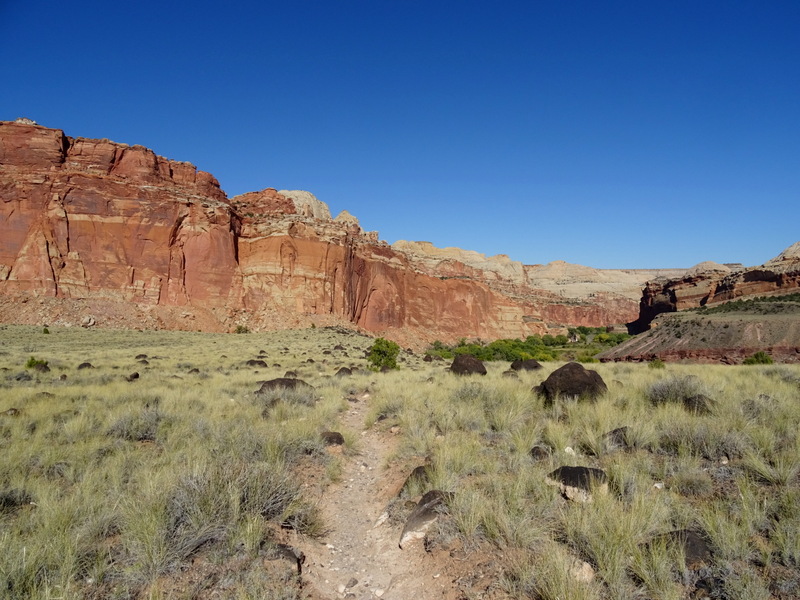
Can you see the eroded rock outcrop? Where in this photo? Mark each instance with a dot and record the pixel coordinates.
(710, 284)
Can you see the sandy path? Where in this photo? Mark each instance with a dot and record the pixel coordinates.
(358, 559)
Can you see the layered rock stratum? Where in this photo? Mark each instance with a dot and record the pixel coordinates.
(710, 284)
(94, 228)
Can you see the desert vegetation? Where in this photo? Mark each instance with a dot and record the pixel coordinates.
(184, 482)
(581, 344)
(763, 305)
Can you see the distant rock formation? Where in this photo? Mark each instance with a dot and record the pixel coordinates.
(709, 284)
(95, 227)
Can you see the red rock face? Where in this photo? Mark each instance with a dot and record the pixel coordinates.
(777, 277)
(95, 222)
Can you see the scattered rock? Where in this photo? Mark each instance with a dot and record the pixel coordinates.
(144, 362)
(11, 412)
(132, 377)
(85, 365)
(578, 483)
(572, 380)
(540, 452)
(256, 362)
(344, 372)
(88, 321)
(41, 368)
(581, 571)
(290, 374)
(525, 365)
(286, 552)
(140, 356)
(466, 364)
(428, 358)
(424, 515)
(332, 438)
(23, 376)
(510, 374)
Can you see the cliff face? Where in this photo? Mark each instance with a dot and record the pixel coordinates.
(709, 284)
(100, 227)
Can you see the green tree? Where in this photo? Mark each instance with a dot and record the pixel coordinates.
(383, 353)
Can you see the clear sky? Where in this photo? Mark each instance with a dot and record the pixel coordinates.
(611, 134)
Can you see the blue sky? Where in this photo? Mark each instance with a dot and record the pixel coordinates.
(610, 134)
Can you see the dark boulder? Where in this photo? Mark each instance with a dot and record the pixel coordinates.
(579, 477)
(466, 364)
(283, 383)
(525, 365)
(332, 438)
(572, 380)
(132, 377)
(255, 362)
(540, 452)
(424, 515)
(85, 365)
(578, 483)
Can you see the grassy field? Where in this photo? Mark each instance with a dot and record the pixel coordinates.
(111, 485)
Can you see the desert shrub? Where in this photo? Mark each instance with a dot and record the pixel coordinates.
(759, 358)
(299, 396)
(34, 362)
(586, 357)
(242, 329)
(45, 330)
(674, 389)
(383, 353)
(692, 483)
(657, 363)
(141, 427)
(12, 499)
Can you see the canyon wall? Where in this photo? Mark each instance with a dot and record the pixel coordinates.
(93, 227)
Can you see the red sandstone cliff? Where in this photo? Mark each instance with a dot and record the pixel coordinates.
(709, 284)
(115, 230)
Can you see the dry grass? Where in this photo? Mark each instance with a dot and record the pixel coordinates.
(107, 484)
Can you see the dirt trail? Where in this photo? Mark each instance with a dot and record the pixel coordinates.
(357, 558)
